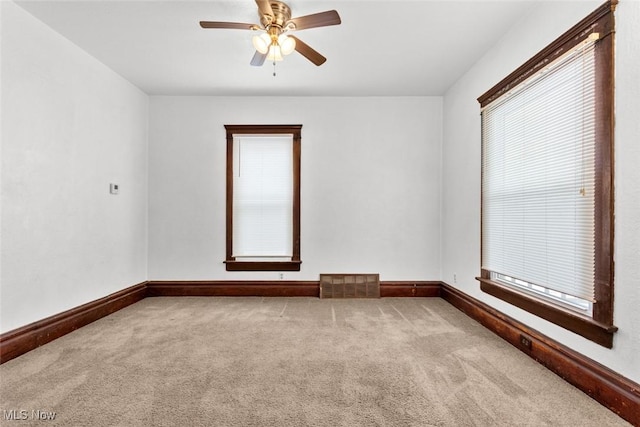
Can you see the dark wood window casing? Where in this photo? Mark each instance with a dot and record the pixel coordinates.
(598, 328)
(294, 263)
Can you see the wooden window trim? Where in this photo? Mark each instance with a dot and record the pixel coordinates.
(598, 328)
(585, 326)
(230, 261)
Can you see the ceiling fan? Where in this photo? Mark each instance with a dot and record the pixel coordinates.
(275, 22)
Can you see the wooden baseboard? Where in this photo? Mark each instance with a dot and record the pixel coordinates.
(410, 289)
(19, 341)
(609, 388)
(210, 288)
(274, 288)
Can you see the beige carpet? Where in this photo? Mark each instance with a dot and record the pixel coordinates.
(289, 362)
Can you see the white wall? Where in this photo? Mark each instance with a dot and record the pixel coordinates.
(461, 173)
(370, 184)
(70, 126)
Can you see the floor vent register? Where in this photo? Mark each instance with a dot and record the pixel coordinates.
(349, 286)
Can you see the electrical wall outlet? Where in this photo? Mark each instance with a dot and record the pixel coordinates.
(525, 342)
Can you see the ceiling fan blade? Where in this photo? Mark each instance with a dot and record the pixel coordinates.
(258, 59)
(308, 52)
(264, 6)
(232, 25)
(322, 19)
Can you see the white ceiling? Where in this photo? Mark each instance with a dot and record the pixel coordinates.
(416, 47)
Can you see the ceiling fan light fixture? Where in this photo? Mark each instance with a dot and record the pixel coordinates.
(261, 43)
(275, 53)
(287, 44)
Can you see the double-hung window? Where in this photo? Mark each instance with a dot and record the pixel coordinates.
(547, 230)
(263, 198)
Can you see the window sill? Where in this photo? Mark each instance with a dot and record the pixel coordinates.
(574, 322)
(233, 265)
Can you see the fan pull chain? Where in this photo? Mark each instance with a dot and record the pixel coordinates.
(274, 68)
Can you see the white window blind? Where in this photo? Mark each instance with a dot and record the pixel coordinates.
(263, 196)
(539, 178)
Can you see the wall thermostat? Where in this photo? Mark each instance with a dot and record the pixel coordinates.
(113, 188)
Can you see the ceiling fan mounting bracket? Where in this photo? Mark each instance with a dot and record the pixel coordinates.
(280, 18)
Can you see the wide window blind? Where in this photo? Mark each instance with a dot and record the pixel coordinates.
(538, 177)
(263, 196)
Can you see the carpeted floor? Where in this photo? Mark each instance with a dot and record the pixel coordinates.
(288, 362)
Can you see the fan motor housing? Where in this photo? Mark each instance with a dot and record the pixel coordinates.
(281, 15)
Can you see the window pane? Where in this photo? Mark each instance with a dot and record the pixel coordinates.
(539, 178)
(263, 196)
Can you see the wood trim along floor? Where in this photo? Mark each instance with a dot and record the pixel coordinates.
(609, 388)
(286, 288)
(19, 341)
(210, 288)
(409, 289)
